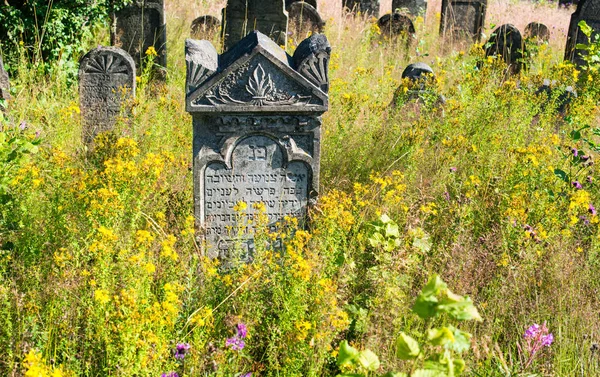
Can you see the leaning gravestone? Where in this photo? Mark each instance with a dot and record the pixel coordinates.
(140, 26)
(537, 32)
(4, 83)
(506, 42)
(370, 7)
(310, 2)
(420, 76)
(106, 81)
(412, 7)
(243, 16)
(257, 133)
(204, 27)
(463, 19)
(396, 25)
(588, 11)
(304, 17)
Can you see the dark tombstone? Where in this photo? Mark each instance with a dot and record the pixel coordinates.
(561, 98)
(396, 25)
(240, 17)
(369, 7)
(463, 19)
(304, 17)
(4, 83)
(140, 26)
(106, 82)
(421, 77)
(257, 134)
(537, 32)
(204, 27)
(310, 2)
(506, 42)
(588, 11)
(412, 7)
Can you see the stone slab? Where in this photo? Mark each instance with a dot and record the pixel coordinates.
(463, 19)
(588, 11)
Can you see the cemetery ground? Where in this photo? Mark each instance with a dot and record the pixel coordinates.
(495, 191)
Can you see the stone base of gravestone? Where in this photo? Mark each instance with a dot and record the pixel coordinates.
(507, 43)
(304, 18)
(205, 27)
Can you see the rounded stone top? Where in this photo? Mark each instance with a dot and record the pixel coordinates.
(416, 71)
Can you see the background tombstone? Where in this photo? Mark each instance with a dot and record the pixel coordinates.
(240, 17)
(420, 76)
(106, 82)
(537, 32)
(204, 27)
(506, 41)
(562, 102)
(588, 11)
(370, 7)
(304, 17)
(396, 25)
(463, 19)
(412, 7)
(311, 2)
(139, 26)
(257, 132)
(4, 83)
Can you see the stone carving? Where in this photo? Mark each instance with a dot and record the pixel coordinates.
(240, 17)
(463, 19)
(204, 27)
(396, 24)
(304, 17)
(106, 82)
(139, 26)
(4, 82)
(369, 7)
(537, 32)
(310, 2)
(412, 7)
(256, 115)
(506, 42)
(588, 11)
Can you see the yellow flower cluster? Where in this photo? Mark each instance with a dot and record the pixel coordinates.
(35, 366)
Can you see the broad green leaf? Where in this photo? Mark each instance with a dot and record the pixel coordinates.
(407, 348)
(459, 366)
(462, 340)
(585, 28)
(347, 355)
(562, 175)
(428, 373)
(463, 310)
(376, 239)
(368, 360)
(440, 337)
(385, 219)
(392, 230)
(427, 301)
(422, 243)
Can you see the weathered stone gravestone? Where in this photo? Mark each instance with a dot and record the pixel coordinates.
(304, 17)
(463, 19)
(412, 7)
(506, 42)
(421, 77)
(240, 17)
(310, 2)
(204, 27)
(257, 133)
(396, 25)
(4, 83)
(370, 7)
(140, 26)
(560, 98)
(588, 11)
(537, 32)
(106, 82)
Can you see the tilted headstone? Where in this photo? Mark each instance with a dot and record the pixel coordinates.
(311, 2)
(463, 19)
(140, 26)
(204, 27)
(106, 82)
(396, 24)
(4, 82)
(412, 7)
(537, 32)
(420, 76)
(506, 42)
(304, 17)
(257, 133)
(588, 11)
(370, 7)
(240, 17)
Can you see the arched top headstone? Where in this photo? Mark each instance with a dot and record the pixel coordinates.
(421, 77)
(106, 81)
(463, 19)
(204, 26)
(395, 24)
(311, 2)
(412, 7)
(537, 31)
(588, 11)
(304, 17)
(506, 41)
(4, 82)
(417, 71)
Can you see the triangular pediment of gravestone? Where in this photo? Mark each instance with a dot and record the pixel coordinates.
(254, 76)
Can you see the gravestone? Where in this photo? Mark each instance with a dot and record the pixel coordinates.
(4, 82)
(304, 17)
(240, 17)
(396, 24)
(412, 7)
(106, 82)
(257, 133)
(561, 97)
(140, 26)
(204, 27)
(369, 7)
(463, 19)
(537, 32)
(588, 11)
(506, 42)
(421, 77)
(311, 2)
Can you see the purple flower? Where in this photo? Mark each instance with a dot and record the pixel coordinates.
(242, 330)
(532, 331)
(547, 340)
(577, 185)
(235, 343)
(170, 374)
(575, 152)
(181, 350)
(23, 125)
(247, 375)
(585, 158)
(592, 210)
(453, 169)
